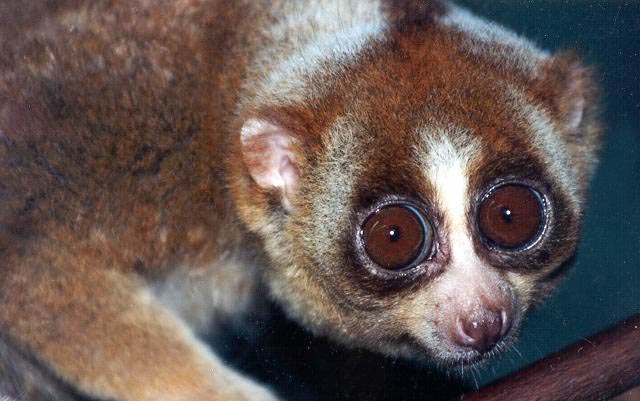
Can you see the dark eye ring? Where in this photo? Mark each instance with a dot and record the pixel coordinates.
(512, 216)
(396, 236)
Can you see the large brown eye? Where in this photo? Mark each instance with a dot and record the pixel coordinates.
(396, 236)
(511, 216)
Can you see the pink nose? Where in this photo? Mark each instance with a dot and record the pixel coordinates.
(482, 331)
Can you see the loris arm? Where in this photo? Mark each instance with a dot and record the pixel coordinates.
(597, 368)
(103, 332)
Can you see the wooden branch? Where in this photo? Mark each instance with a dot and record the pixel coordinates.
(599, 368)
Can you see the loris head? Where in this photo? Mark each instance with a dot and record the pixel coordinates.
(417, 194)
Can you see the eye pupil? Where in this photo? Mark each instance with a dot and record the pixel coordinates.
(396, 236)
(511, 216)
(507, 215)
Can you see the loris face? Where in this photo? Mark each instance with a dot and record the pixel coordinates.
(419, 199)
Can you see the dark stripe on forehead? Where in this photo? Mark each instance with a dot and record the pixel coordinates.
(412, 14)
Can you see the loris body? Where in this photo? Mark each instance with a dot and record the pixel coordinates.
(404, 177)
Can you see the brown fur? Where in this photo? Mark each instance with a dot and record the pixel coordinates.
(121, 164)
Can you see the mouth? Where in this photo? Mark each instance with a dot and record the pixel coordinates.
(472, 358)
(447, 357)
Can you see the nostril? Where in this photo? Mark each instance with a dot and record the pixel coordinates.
(482, 331)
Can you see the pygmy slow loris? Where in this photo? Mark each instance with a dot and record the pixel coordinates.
(401, 176)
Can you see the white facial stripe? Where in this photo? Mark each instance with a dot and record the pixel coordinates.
(316, 35)
(494, 41)
(446, 155)
(447, 168)
(547, 140)
(448, 174)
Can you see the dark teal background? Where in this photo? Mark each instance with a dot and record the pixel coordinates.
(602, 288)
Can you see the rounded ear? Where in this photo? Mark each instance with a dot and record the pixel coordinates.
(575, 90)
(570, 91)
(267, 150)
